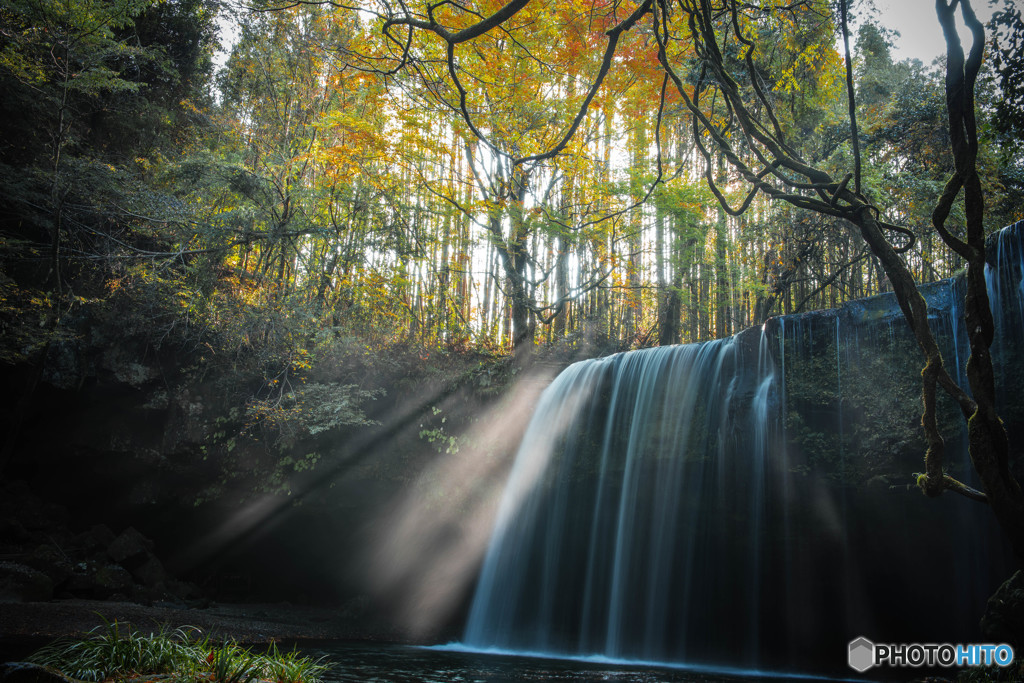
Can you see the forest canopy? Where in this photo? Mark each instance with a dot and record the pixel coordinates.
(312, 184)
(454, 177)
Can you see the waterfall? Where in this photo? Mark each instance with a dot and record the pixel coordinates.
(744, 501)
(604, 540)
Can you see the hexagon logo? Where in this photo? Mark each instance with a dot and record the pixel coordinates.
(862, 654)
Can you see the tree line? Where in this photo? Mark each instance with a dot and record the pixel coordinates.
(311, 180)
(491, 176)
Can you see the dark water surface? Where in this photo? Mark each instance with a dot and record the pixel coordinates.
(351, 662)
(368, 662)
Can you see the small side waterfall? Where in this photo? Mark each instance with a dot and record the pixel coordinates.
(745, 501)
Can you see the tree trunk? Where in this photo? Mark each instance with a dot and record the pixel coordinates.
(987, 440)
(669, 300)
(722, 309)
(561, 287)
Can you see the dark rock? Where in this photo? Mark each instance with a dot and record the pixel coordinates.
(141, 595)
(63, 367)
(184, 590)
(1003, 621)
(129, 545)
(113, 578)
(24, 672)
(123, 363)
(17, 502)
(100, 537)
(98, 580)
(82, 583)
(20, 583)
(151, 573)
(13, 532)
(170, 602)
(52, 561)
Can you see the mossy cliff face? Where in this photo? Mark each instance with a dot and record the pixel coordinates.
(853, 392)
(853, 386)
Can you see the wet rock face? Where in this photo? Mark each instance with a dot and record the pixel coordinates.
(1003, 621)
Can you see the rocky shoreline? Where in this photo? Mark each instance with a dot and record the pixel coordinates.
(58, 581)
(43, 558)
(244, 623)
(25, 626)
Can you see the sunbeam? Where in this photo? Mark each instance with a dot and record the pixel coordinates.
(430, 540)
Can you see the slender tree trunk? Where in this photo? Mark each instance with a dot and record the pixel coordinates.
(722, 313)
(443, 279)
(669, 299)
(633, 303)
(56, 191)
(562, 287)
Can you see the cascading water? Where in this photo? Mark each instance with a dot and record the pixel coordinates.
(1004, 275)
(741, 501)
(604, 541)
(1004, 279)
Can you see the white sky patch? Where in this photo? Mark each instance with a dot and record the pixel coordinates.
(920, 33)
(227, 29)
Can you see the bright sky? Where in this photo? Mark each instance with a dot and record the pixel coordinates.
(920, 34)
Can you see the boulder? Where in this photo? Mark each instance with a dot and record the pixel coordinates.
(98, 580)
(21, 583)
(81, 583)
(130, 545)
(50, 560)
(183, 590)
(151, 573)
(113, 579)
(98, 538)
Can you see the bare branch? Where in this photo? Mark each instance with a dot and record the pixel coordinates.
(609, 53)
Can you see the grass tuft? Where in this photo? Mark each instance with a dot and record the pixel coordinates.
(116, 651)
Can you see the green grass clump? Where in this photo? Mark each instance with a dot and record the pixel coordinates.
(291, 667)
(115, 652)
